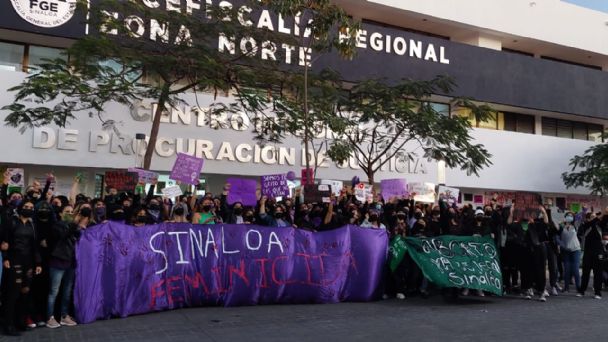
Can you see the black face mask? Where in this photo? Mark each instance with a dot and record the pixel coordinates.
(86, 212)
(279, 215)
(238, 211)
(206, 208)
(248, 218)
(373, 218)
(141, 219)
(118, 216)
(154, 207)
(488, 213)
(57, 208)
(418, 216)
(401, 217)
(179, 211)
(27, 213)
(479, 218)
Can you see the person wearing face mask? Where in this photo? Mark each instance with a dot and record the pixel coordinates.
(594, 253)
(62, 263)
(140, 218)
(21, 260)
(278, 217)
(179, 213)
(116, 213)
(519, 240)
(571, 251)
(205, 214)
(372, 220)
(99, 211)
(44, 220)
(155, 212)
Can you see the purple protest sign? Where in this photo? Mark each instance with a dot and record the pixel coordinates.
(274, 186)
(394, 188)
(242, 190)
(123, 270)
(187, 169)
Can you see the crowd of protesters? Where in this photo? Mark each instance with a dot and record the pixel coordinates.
(39, 232)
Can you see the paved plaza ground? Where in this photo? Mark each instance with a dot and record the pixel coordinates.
(562, 318)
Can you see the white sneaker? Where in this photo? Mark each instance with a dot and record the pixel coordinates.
(542, 298)
(385, 296)
(400, 296)
(480, 293)
(52, 323)
(554, 291)
(546, 293)
(578, 294)
(529, 293)
(597, 297)
(68, 321)
(465, 292)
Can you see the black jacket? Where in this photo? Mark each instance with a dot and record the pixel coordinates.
(593, 237)
(22, 242)
(63, 241)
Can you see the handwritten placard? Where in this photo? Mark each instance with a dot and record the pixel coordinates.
(172, 191)
(364, 193)
(121, 180)
(187, 169)
(336, 185)
(275, 186)
(145, 176)
(448, 194)
(394, 188)
(242, 190)
(425, 192)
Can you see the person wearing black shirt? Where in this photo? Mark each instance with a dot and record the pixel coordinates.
(593, 254)
(538, 239)
(21, 261)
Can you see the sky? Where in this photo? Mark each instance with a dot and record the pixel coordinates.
(600, 5)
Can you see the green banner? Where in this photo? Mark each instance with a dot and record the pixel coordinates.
(397, 249)
(456, 261)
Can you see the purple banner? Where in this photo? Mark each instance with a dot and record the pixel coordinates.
(123, 270)
(274, 186)
(242, 190)
(187, 169)
(394, 188)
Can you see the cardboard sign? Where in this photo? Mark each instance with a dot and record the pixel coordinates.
(425, 192)
(187, 169)
(242, 190)
(145, 176)
(172, 191)
(526, 205)
(308, 177)
(394, 188)
(448, 194)
(336, 186)
(363, 193)
(123, 181)
(275, 186)
(16, 177)
(317, 193)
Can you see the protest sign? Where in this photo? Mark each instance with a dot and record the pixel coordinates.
(450, 195)
(336, 186)
(364, 193)
(397, 250)
(394, 188)
(123, 270)
(274, 186)
(317, 193)
(242, 190)
(453, 261)
(16, 178)
(308, 176)
(172, 191)
(526, 205)
(122, 181)
(145, 176)
(187, 169)
(425, 192)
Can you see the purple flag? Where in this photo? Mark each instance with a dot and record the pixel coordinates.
(274, 186)
(124, 270)
(187, 169)
(242, 190)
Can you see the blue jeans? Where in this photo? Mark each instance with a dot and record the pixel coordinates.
(63, 279)
(572, 263)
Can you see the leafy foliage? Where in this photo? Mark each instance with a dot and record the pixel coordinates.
(589, 170)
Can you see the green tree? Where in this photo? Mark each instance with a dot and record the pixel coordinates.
(117, 63)
(589, 170)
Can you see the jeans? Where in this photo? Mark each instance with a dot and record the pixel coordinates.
(572, 261)
(58, 278)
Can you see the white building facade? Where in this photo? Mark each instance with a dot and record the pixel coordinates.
(542, 65)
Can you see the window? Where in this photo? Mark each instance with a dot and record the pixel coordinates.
(441, 108)
(11, 56)
(515, 122)
(36, 55)
(494, 121)
(572, 129)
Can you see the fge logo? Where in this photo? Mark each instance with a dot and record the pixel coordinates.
(45, 13)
